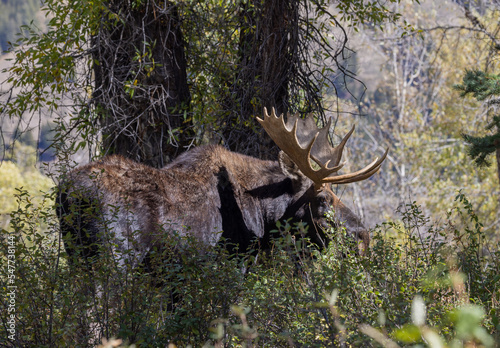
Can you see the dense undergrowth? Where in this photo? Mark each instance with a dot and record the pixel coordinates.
(421, 284)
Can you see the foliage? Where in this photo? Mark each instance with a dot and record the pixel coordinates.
(292, 294)
(482, 86)
(17, 172)
(445, 273)
(358, 13)
(46, 74)
(411, 106)
(233, 69)
(470, 274)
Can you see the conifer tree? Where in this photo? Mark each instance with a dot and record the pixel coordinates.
(484, 87)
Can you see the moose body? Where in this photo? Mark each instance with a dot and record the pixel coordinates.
(206, 193)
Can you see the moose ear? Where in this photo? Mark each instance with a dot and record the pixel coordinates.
(290, 169)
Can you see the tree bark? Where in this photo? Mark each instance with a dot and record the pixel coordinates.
(141, 91)
(497, 153)
(267, 47)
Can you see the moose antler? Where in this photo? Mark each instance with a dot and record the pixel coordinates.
(312, 143)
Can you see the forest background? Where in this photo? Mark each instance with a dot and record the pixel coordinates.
(392, 78)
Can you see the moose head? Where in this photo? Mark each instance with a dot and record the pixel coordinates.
(307, 157)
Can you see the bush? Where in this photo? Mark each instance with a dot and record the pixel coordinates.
(420, 285)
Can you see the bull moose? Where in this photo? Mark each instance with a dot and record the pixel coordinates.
(210, 192)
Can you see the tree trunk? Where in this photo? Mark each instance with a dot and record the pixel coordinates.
(497, 153)
(268, 40)
(141, 91)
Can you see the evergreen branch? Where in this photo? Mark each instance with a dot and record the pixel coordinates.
(495, 122)
(480, 84)
(480, 147)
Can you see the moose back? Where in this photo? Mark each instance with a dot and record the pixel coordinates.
(208, 193)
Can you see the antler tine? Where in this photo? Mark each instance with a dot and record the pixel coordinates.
(307, 127)
(315, 147)
(288, 142)
(324, 152)
(362, 174)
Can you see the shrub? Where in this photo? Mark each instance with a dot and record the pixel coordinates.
(290, 295)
